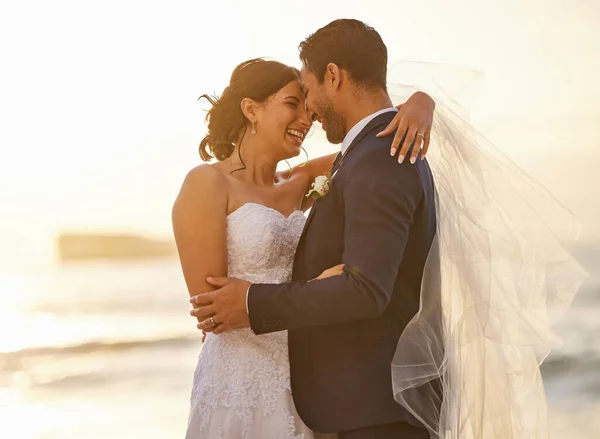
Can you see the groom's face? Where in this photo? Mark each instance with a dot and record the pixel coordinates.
(319, 102)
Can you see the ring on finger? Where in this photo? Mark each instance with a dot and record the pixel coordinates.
(212, 321)
(420, 134)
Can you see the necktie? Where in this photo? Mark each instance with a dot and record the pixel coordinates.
(336, 163)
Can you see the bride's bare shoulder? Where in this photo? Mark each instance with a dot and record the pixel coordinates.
(206, 176)
(205, 184)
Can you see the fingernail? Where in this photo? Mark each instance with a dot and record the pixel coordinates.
(378, 134)
(192, 313)
(208, 279)
(413, 160)
(422, 157)
(393, 152)
(400, 158)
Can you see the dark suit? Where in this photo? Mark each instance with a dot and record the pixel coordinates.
(343, 330)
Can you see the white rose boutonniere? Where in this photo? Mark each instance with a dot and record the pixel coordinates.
(320, 187)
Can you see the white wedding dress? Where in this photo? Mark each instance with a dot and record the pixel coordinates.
(242, 382)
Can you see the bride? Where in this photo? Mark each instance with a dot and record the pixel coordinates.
(240, 217)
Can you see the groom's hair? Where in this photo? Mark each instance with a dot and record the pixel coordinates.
(353, 46)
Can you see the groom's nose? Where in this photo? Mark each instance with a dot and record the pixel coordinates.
(311, 114)
(313, 117)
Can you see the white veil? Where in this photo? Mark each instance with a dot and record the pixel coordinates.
(500, 271)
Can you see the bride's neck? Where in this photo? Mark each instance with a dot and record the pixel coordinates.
(253, 164)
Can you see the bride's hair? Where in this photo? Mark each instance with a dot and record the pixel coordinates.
(256, 79)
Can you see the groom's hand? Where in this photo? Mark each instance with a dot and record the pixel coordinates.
(414, 120)
(223, 309)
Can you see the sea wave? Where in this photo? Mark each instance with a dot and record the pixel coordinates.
(93, 346)
(569, 378)
(566, 364)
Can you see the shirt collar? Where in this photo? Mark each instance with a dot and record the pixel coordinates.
(356, 129)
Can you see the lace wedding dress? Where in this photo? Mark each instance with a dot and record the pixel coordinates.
(242, 382)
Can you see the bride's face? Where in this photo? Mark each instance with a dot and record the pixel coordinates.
(283, 121)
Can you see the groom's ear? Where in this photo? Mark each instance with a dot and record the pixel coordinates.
(333, 76)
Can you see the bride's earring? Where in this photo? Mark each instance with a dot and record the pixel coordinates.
(305, 161)
(253, 127)
(300, 165)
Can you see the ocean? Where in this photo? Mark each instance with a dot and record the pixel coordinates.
(107, 349)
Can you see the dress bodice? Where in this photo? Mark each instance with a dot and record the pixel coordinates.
(242, 381)
(261, 243)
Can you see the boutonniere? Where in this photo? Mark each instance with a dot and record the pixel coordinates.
(320, 187)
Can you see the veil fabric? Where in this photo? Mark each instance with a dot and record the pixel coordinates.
(499, 273)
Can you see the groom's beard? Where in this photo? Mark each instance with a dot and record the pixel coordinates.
(334, 123)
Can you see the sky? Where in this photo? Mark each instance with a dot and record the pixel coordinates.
(99, 121)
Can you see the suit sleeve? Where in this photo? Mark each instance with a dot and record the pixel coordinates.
(380, 199)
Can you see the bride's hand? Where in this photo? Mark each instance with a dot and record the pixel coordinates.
(333, 271)
(414, 119)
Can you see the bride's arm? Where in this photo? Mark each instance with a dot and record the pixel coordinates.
(199, 225)
(315, 167)
(304, 175)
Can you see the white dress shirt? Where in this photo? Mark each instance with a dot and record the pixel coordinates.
(354, 131)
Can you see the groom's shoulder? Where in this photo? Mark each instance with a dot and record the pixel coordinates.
(373, 156)
(376, 170)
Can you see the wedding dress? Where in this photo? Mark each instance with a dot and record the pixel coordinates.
(241, 385)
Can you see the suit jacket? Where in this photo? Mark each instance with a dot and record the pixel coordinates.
(379, 220)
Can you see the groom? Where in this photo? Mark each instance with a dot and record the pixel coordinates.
(378, 219)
